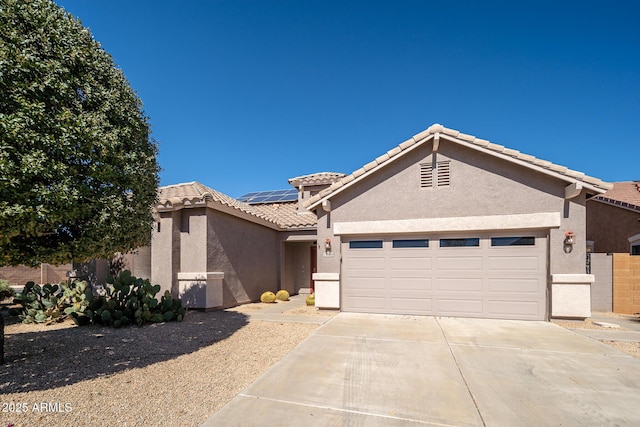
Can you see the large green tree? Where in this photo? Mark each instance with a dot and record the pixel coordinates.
(78, 170)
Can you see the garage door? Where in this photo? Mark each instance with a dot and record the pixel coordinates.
(485, 275)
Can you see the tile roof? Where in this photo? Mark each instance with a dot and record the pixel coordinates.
(195, 194)
(455, 136)
(287, 215)
(623, 194)
(319, 178)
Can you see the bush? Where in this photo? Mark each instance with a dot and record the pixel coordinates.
(268, 297)
(6, 291)
(311, 299)
(282, 295)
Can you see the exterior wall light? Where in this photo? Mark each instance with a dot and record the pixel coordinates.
(327, 246)
(569, 240)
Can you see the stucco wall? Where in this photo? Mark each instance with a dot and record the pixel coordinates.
(602, 287)
(247, 253)
(165, 251)
(610, 227)
(297, 266)
(480, 185)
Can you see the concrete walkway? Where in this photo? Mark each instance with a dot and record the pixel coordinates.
(377, 370)
(277, 312)
(629, 328)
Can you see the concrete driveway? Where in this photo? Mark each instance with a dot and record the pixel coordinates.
(376, 370)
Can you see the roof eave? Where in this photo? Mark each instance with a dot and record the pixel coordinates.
(600, 188)
(370, 168)
(173, 205)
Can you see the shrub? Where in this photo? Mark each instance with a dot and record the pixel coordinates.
(6, 291)
(282, 295)
(127, 300)
(311, 299)
(130, 300)
(268, 297)
(47, 303)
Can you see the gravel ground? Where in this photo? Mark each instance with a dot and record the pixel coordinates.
(170, 374)
(631, 348)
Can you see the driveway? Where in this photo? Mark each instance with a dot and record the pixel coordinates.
(377, 370)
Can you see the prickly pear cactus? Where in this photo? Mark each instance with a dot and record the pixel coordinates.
(268, 297)
(311, 299)
(282, 295)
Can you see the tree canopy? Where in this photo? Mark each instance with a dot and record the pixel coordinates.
(78, 169)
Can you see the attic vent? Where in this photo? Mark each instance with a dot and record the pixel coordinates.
(441, 176)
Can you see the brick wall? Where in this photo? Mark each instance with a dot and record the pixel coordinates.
(626, 284)
(46, 273)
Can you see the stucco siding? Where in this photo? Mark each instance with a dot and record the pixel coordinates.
(193, 241)
(248, 255)
(297, 266)
(480, 185)
(165, 251)
(602, 287)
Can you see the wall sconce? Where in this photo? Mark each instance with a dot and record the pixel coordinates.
(327, 246)
(569, 240)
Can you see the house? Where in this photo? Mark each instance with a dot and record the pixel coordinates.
(215, 251)
(443, 224)
(613, 219)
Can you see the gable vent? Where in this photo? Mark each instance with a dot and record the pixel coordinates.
(439, 177)
(444, 175)
(426, 175)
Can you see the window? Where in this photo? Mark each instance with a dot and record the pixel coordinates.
(457, 243)
(365, 244)
(513, 241)
(438, 177)
(411, 243)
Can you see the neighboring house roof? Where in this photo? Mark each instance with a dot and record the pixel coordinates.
(438, 132)
(623, 194)
(195, 194)
(320, 178)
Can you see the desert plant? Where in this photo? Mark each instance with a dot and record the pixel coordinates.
(131, 300)
(40, 304)
(6, 291)
(311, 299)
(268, 297)
(282, 295)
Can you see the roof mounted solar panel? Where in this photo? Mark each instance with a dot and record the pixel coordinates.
(271, 196)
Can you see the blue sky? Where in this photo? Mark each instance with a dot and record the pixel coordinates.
(243, 95)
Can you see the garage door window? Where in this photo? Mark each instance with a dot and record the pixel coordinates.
(365, 244)
(457, 243)
(411, 243)
(513, 241)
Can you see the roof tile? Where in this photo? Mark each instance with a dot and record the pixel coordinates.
(398, 150)
(406, 144)
(382, 158)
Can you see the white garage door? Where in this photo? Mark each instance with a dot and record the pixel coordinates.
(483, 275)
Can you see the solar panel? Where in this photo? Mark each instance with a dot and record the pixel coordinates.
(271, 196)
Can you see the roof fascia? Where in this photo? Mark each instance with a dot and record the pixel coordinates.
(177, 205)
(523, 163)
(221, 207)
(371, 171)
